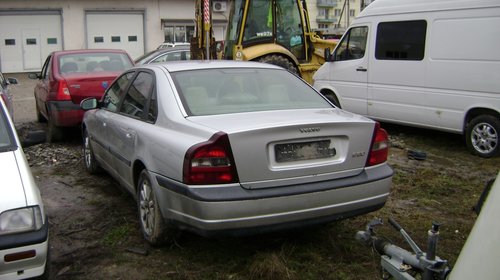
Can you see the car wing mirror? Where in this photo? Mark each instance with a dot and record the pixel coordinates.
(12, 81)
(35, 76)
(88, 103)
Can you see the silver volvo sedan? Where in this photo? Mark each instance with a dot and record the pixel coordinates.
(225, 147)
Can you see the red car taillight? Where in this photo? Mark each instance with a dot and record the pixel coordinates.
(380, 146)
(62, 91)
(210, 162)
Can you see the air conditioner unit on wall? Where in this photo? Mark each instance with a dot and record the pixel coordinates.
(219, 6)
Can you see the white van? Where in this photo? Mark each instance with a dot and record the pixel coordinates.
(426, 63)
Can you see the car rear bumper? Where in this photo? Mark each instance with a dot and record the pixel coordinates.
(65, 113)
(232, 210)
(33, 245)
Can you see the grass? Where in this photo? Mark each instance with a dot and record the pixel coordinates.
(117, 235)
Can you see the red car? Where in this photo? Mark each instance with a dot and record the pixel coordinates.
(67, 77)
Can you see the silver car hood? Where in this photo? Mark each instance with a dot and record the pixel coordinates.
(12, 187)
(254, 137)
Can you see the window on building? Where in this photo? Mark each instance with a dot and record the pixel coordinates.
(51, 41)
(115, 39)
(132, 38)
(99, 39)
(402, 40)
(10, 42)
(338, 12)
(178, 33)
(352, 13)
(31, 41)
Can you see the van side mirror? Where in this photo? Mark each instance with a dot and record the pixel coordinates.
(328, 55)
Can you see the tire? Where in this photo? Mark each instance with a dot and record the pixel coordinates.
(281, 62)
(39, 117)
(332, 98)
(90, 162)
(54, 133)
(153, 226)
(481, 136)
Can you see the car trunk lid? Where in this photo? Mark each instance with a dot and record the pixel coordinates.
(294, 146)
(86, 85)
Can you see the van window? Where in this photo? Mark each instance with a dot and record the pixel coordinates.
(353, 45)
(401, 40)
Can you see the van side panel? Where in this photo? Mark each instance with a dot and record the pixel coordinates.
(468, 48)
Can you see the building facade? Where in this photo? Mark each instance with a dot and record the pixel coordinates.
(30, 30)
(334, 16)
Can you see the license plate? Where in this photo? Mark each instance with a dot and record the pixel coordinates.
(304, 151)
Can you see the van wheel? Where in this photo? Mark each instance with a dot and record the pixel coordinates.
(482, 136)
(332, 98)
(154, 228)
(281, 62)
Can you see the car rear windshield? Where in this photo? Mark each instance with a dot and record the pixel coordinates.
(7, 140)
(93, 62)
(225, 91)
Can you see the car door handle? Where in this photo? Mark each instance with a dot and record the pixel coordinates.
(361, 69)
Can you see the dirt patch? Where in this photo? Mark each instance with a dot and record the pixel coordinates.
(94, 230)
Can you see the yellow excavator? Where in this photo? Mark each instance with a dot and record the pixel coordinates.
(270, 31)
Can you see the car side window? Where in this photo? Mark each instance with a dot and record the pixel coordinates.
(153, 107)
(115, 93)
(46, 68)
(135, 101)
(353, 44)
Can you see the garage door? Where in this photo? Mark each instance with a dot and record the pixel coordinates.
(26, 39)
(116, 31)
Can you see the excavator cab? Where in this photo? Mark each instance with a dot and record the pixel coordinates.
(276, 32)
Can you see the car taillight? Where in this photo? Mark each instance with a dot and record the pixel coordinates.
(210, 162)
(62, 91)
(380, 146)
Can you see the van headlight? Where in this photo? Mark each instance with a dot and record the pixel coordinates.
(20, 220)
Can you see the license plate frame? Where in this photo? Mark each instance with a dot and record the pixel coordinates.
(304, 151)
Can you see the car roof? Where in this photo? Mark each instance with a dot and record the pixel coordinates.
(167, 50)
(175, 66)
(176, 48)
(89, 51)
